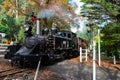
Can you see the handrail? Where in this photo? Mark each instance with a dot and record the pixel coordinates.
(3, 44)
(3, 47)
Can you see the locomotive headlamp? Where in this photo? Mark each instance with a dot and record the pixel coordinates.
(26, 28)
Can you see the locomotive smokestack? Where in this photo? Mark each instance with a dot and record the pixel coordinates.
(37, 27)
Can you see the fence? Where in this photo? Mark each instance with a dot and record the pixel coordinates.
(83, 52)
(3, 47)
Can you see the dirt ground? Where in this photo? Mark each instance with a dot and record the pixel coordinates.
(104, 63)
(72, 69)
(4, 64)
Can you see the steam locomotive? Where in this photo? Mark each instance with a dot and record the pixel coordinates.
(51, 45)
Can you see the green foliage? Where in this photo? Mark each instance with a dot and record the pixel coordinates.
(102, 1)
(111, 38)
(1, 1)
(104, 56)
(84, 0)
(83, 35)
(10, 26)
(21, 35)
(109, 6)
(3, 28)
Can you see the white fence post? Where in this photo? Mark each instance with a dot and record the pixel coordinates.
(86, 54)
(99, 54)
(114, 60)
(80, 54)
(94, 61)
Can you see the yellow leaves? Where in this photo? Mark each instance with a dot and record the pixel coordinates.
(9, 12)
(32, 2)
(59, 2)
(3, 8)
(64, 1)
(10, 5)
(6, 4)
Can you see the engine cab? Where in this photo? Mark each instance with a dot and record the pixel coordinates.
(54, 30)
(45, 31)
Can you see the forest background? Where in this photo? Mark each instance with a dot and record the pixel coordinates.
(14, 14)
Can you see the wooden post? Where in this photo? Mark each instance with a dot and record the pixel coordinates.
(80, 54)
(86, 54)
(94, 61)
(114, 60)
(99, 55)
(37, 70)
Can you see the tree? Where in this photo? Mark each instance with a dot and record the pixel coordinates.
(14, 9)
(112, 7)
(111, 38)
(10, 26)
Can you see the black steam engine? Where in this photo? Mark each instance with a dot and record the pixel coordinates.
(51, 45)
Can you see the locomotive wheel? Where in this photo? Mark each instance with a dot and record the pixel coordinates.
(74, 54)
(68, 54)
(21, 64)
(64, 55)
(13, 61)
(45, 60)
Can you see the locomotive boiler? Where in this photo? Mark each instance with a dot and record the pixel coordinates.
(51, 45)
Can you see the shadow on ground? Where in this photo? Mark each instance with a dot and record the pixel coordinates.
(76, 71)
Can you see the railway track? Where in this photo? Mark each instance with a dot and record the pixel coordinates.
(10, 74)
